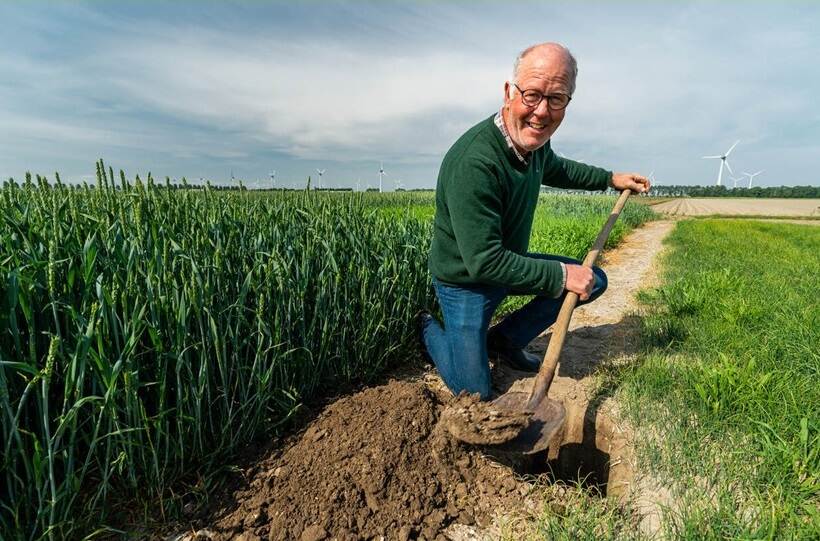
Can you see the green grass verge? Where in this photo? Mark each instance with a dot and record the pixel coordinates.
(723, 396)
(730, 372)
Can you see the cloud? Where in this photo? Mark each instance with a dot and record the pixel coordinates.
(305, 97)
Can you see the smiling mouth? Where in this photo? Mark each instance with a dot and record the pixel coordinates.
(536, 126)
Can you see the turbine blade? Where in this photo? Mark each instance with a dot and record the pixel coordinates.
(705, 157)
(727, 166)
(732, 147)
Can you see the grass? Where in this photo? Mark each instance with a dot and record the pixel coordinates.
(723, 395)
(148, 333)
(568, 513)
(757, 217)
(730, 372)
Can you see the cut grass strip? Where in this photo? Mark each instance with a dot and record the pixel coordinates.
(728, 383)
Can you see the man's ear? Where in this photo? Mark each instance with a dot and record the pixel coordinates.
(508, 91)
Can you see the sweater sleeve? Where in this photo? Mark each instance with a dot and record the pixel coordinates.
(475, 205)
(569, 174)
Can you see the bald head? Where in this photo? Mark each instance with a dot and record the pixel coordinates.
(547, 52)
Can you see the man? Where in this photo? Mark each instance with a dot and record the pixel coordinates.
(486, 196)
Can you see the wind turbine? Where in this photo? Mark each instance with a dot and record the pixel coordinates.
(751, 176)
(398, 185)
(735, 179)
(651, 178)
(723, 162)
(358, 184)
(273, 178)
(381, 175)
(321, 172)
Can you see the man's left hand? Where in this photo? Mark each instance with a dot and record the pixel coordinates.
(630, 181)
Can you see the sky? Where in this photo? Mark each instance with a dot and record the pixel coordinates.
(208, 90)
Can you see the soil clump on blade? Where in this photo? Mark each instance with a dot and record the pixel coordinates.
(481, 423)
(374, 464)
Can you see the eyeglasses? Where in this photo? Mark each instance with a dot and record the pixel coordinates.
(532, 98)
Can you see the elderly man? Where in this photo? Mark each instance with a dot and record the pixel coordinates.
(486, 196)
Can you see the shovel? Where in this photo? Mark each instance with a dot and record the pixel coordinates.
(547, 415)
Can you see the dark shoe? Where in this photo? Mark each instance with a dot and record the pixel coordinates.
(419, 321)
(500, 347)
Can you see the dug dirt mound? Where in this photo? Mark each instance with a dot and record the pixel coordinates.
(376, 464)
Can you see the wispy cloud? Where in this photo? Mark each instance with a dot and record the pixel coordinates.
(304, 98)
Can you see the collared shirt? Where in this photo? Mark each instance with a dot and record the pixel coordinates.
(499, 121)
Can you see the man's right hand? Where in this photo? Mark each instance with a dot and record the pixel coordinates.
(580, 280)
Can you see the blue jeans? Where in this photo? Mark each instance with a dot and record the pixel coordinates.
(459, 349)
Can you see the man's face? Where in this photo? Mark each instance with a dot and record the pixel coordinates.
(531, 127)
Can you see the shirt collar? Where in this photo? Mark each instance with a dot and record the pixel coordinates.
(499, 121)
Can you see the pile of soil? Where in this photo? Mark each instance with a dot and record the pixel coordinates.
(376, 464)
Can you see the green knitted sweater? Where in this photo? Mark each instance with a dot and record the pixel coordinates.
(485, 204)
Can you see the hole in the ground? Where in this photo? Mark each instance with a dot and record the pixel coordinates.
(591, 454)
(575, 464)
(578, 463)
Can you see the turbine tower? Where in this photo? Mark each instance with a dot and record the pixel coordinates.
(321, 172)
(651, 178)
(751, 176)
(735, 180)
(381, 175)
(273, 178)
(723, 162)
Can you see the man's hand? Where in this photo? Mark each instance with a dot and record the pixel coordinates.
(631, 181)
(580, 280)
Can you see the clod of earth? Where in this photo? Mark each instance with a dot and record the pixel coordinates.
(480, 423)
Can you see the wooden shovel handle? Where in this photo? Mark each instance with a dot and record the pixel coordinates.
(559, 332)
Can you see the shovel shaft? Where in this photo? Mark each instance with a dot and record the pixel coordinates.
(547, 372)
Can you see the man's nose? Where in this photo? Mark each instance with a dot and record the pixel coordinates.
(542, 109)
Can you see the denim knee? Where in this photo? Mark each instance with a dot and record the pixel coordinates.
(601, 283)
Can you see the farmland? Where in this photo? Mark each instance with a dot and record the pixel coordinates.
(148, 332)
(795, 208)
(149, 335)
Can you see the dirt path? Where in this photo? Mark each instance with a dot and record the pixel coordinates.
(376, 465)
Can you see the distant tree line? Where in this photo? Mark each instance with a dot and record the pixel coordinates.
(788, 192)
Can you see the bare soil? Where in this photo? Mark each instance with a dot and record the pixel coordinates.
(373, 465)
(469, 420)
(378, 464)
(742, 206)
